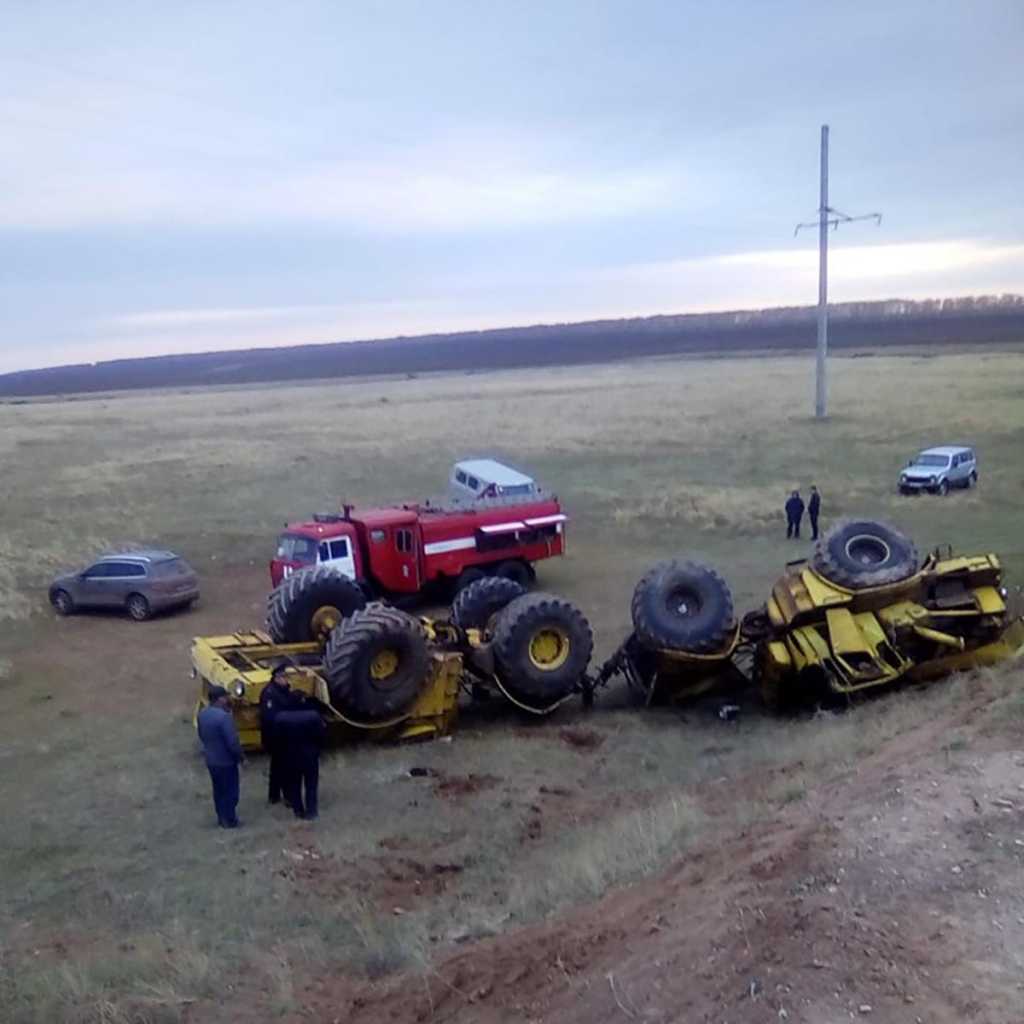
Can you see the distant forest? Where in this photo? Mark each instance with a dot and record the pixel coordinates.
(961, 322)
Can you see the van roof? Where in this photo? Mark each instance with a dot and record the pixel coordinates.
(945, 449)
(494, 472)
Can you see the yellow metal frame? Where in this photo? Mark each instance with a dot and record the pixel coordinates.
(242, 663)
(854, 638)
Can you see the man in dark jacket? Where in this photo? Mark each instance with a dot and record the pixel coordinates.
(223, 752)
(813, 510)
(275, 698)
(794, 513)
(300, 731)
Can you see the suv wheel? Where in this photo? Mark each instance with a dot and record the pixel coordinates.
(62, 602)
(138, 607)
(944, 487)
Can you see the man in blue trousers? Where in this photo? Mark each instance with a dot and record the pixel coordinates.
(223, 752)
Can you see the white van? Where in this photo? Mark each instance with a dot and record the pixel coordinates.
(478, 479)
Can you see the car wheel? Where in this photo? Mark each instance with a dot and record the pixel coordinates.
(944, 488)
(138, 607)
(62, 602)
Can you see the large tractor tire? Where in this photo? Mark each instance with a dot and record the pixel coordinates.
(542, 647)
(309, 603)
(376, 663)
(683, 606)
(860, 553)
(474, 607)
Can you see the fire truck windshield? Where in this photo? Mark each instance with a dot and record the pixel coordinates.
(293, 548)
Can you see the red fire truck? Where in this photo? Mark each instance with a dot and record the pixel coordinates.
(400, 550)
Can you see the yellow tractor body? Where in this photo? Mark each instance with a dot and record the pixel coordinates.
(949, 616)
(242, 663)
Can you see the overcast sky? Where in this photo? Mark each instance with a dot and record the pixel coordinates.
(186, 176)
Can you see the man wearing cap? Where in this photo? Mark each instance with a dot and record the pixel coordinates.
(223, 752)
(275, 698)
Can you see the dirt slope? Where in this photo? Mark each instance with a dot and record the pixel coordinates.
(891, 893)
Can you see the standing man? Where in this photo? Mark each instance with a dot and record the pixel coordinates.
(794, 513)
(275, 698)
(300, 731)
(813, 510)
(223, 752)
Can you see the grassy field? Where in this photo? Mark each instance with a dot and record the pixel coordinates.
(120, 900)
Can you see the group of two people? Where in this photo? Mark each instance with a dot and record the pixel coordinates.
(795, 513)
(291, 731)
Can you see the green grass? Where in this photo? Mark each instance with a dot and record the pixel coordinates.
(121, 902)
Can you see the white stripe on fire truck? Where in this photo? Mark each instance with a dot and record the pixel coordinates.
(439, 547)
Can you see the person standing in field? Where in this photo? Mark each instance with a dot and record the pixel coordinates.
(813, 511)
(275, 698)
(300, 731)
(223, 753)
(794, 513)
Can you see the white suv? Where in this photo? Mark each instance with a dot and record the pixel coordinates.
(937, 469)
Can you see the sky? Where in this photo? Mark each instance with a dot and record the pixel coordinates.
(189, 176)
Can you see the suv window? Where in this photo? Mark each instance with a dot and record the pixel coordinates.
(119, 569)
(169, 567)
(97, 571)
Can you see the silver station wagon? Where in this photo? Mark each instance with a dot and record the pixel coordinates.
(138, 582)
(936, 470)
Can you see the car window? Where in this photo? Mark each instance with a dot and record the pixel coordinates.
(473, 482)
(460, 476)
(170, 567)
(932, 460)
(96, 572)
(119, 570)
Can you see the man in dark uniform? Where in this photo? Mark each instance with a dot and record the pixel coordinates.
(300, 731)
(275, 698)
(813, 510)
(223, 752)
(794, 513)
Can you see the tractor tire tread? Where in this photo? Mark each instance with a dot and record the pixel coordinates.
(474, 605)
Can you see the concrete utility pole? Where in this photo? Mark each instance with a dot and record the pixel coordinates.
(827, 217)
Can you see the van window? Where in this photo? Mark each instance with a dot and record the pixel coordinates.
(473, 482)
(460, 476)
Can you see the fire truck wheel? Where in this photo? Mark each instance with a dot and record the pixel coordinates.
(475, 606)
(684, 606)
(542, 646)
(309, 603)
(470, 575)
(518, 572)
(860, 553)
(376, 663)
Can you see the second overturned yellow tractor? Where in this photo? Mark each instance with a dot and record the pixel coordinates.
(864, 613)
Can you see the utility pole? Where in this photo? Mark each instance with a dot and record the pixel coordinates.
(827, 217)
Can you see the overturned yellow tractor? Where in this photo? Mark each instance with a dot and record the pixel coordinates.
(864, 613)
(378, 672)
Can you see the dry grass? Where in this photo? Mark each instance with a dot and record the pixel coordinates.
(107, 832)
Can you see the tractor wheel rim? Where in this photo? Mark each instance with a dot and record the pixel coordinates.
(683, 602)
(868, 550)
(324, 620)
(549, 648)
(384, 664)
